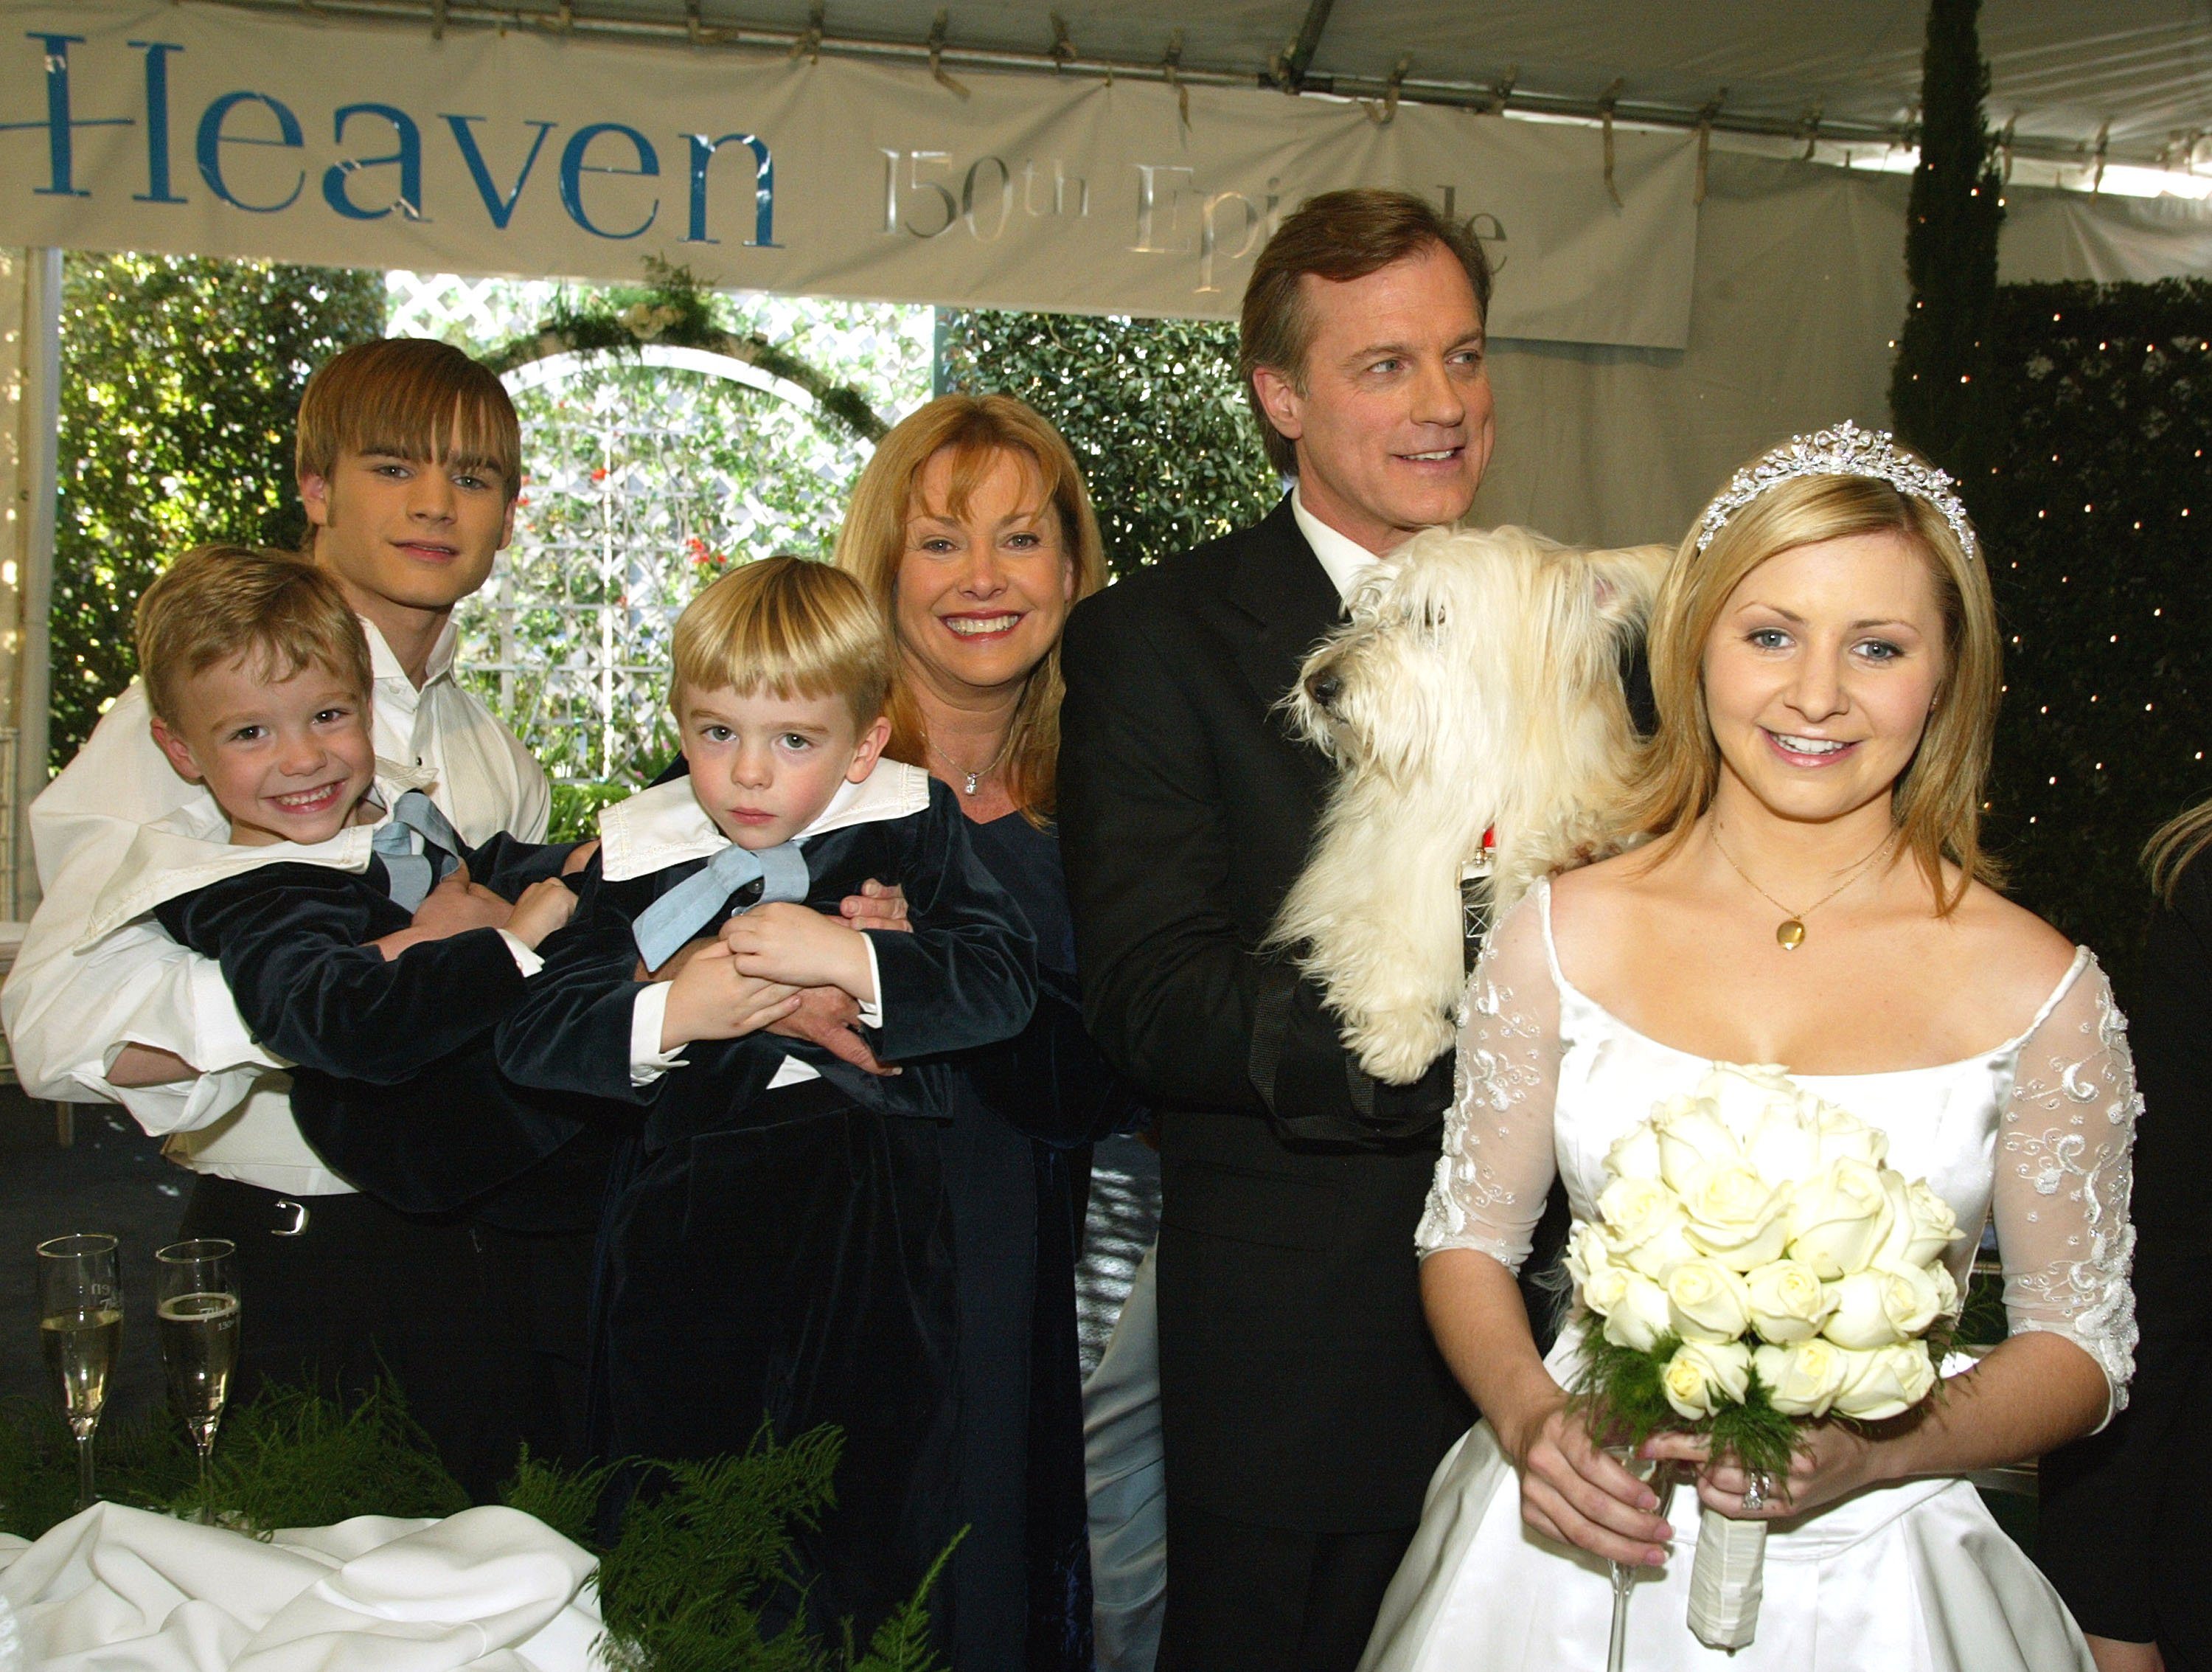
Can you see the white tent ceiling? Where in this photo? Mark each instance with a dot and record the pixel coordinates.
(2064, 71)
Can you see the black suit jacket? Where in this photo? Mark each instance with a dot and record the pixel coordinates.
(393, 1079)
(1301, 1387)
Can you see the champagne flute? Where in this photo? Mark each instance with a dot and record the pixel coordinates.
(80, 1329)
(196, 1311)
(1649, 1471)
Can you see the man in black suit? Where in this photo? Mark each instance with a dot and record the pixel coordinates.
(1304, 1406)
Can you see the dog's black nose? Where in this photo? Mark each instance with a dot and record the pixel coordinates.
(1324, 688)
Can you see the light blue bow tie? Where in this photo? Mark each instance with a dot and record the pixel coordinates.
(671, 920)
(411, 875)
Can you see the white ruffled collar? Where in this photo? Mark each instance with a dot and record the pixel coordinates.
(666, 825)
(192, 847)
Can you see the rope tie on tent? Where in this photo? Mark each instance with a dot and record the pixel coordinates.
(1063, 44)
(1606, 101)
(1706, 117)
(437, 19)
(2097, 180)
(809, 44)
(2004, 145)
(1173, 64)
(1811, 132)
(1387, 112)
(563, 21)
(937, 57)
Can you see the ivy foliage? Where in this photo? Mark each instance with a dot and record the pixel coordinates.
(2095, 512)
(1151, 408)
(180, 380)
(2077, 418)
(1938, 386)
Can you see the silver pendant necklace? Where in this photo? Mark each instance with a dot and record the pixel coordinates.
(972, 780)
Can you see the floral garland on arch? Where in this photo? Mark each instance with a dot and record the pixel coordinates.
(673, 309)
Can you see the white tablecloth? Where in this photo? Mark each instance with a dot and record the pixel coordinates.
(117, 1589)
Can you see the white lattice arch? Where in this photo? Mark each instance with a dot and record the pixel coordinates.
(553, 368)
(630, 501)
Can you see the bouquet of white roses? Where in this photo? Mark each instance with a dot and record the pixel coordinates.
(1754, 1264)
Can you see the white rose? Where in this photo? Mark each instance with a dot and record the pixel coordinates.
(1701, 1377)
(1692, 1135)
(1923, 1225)
(1735, 1216)
(1882, 1304)
(1740, 1093)
(1947, 1286)
(1784, 1144)
(1640, 1315)
(1788, 1302)
(1636, 1153)
(1802, 1378)
(1707, 1302)
(1844, 1137)
(1838, 1217)
(1586, 1253)
(1883, 1382)
(1915, 1296)
(1643, 1224)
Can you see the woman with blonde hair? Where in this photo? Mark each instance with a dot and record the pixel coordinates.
(1812, 895)
(2123, 1531)
(972, 531)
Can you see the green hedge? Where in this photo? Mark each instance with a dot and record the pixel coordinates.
(1151, 409)
(2095, 513)
(180, 379)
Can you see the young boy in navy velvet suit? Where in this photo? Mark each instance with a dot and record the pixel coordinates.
(777, 1242)
(360, 936)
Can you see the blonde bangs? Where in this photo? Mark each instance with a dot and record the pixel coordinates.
(789, 626)
(271, 611)
(412, 399)
(1936, 803)
(977, 430)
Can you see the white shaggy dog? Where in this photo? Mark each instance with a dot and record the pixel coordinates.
(1474, 692)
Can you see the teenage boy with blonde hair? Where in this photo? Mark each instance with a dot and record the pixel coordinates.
(409, 461)
(779, 1243)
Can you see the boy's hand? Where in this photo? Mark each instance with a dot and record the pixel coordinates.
(677, 959)
(458, 904)
(454, 907)
(545, 906)
(877, 906)
(784, 942)
(709, 999)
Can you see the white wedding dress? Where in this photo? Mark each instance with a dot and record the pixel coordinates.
(1894, 1578)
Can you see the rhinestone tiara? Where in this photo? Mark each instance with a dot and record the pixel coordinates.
(1845, 450)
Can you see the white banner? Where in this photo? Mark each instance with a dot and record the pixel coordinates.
(197, 129)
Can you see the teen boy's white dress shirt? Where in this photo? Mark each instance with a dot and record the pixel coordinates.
(69, 1009)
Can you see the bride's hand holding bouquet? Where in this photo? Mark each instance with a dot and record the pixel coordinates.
(1756, 1273)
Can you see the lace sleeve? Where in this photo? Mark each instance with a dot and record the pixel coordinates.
(1497, 1163)
(2062, 1177)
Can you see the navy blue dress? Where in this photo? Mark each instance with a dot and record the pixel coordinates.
(786, 1255)
(1025, 1115)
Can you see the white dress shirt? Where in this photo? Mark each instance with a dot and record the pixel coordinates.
(666, 826)
(69, 1008)
(1347, 561)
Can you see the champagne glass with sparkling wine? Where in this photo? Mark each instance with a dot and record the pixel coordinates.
(81, 1328)
(196, 1308)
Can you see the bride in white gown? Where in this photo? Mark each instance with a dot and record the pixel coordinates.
(1825, 660)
